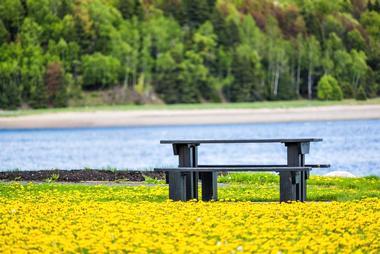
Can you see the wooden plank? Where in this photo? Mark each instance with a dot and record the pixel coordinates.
(195, 174)
(303, 179)
(240, 141)
(260, 166)
(243, 169)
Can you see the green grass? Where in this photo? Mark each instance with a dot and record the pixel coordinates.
(265, 187)
(151, 180)
(251, 105)
(257, 187)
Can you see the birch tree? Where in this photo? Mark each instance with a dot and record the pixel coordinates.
(312, 61)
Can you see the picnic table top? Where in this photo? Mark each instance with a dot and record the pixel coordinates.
(240, 141)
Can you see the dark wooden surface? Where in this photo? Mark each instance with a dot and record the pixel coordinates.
(242, 169)
(260, 166)
(240, 141)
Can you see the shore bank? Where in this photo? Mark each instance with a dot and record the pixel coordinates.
(189, 117)
(79, 175)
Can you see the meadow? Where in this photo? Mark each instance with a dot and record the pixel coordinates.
(343, 216)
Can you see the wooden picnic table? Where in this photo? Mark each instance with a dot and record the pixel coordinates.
(183, 180)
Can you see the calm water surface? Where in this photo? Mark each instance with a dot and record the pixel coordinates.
(352, 146)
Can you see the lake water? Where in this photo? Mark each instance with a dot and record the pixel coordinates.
(352, 146)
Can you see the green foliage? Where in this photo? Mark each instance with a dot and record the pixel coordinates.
(355, 40)
(4, 35)
(246, 72)
(30, 33)
(53, 178)
(10, 92)
(197, 11)
(11, 15)
(130, 8)
(39, 98)
(329, 89)
(187, 51)
(361, 94)
(249, 178)
(100, 71)
(348, 91)
(151, 180)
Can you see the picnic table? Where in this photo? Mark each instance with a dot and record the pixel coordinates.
(183, 180)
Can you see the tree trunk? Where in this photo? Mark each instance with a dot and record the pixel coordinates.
(356, 82)
(298, 78)
(310, 82)
(126, 73)
(276, 78)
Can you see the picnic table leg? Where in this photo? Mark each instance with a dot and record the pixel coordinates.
(209, 185)
(186, 158)
(195, 174)
(181, 183)
(293, 184)
(177, 190)
(287, 188)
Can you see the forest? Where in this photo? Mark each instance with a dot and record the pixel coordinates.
(53, 52)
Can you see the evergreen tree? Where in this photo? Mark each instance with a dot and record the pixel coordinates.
(4, 35)
(12, 14)
(246, 72)
(39, 97)
(131, 8)
(55, 84)
(196, 11)
(10, 92)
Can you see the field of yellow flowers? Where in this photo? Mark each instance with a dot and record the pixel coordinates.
(55, 218)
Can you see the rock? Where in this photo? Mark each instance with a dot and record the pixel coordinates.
(340, 174)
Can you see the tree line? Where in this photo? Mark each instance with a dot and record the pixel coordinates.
(188, 51)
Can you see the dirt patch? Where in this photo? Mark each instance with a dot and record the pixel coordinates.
(79, 175)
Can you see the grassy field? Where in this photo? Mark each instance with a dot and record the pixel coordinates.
(253, 105)
(264, 187)
(78, 218)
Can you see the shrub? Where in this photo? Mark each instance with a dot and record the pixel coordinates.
(348, 91)
(39, 98)
(10, 90)
(361, 95)
(10, 96)
(100, 71)
(329, 89)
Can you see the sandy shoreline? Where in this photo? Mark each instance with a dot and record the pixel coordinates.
(189, 117)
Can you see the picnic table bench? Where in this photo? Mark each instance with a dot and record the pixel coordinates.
(183, 180)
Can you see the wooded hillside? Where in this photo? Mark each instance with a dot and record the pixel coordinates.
(185, 51)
